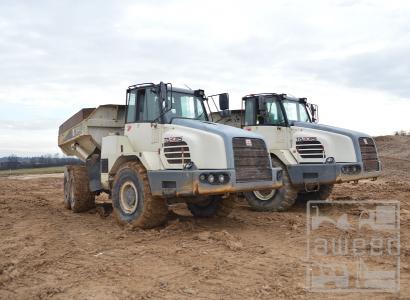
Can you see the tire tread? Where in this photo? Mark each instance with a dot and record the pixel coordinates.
(155, 209)
(84, 199)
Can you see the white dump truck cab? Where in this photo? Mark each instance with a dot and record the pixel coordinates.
(313, 156)
(161, 146)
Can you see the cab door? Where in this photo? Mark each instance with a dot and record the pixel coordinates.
(269, 122)
(142, 127)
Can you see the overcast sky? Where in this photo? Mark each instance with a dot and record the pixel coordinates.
(352, 58)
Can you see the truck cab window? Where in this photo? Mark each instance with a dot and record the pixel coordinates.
(148, 105)
(274, 115)
(250, 112)
(131, 107)
(296, 111)
(186, 106)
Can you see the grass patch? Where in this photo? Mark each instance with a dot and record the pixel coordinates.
(32, 171)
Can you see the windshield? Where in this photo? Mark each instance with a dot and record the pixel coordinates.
(296, 111)
(185, 106)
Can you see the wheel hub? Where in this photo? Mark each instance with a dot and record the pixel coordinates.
(129, 197)
(264, 195)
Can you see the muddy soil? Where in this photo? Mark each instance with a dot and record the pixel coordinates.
(46, 251)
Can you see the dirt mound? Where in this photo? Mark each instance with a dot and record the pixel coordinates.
(397, 147)
(394, 152)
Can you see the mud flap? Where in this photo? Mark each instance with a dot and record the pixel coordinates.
(94, 171)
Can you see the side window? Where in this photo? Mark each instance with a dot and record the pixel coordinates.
(274, 113)
(250, 112)
(140, 105)
(148, 106)
(187, 107)
(303, 114)
(131, 107)
(152, 106)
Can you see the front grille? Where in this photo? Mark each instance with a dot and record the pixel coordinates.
(252, 161)
(369, 154)
(310, 149)
(177, 152)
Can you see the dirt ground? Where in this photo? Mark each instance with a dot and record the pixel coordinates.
(46, 251)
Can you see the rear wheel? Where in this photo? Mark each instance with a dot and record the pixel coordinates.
(67, 189)
(213, 206)
(132, 200)
(274, 200)
(77, 194)
(323, 193)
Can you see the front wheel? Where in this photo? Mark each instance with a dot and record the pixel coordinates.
(132, 200)
(274, 200)
(212, 206)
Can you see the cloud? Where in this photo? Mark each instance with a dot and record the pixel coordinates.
(386, 70)
(58, 57)
(29, 125)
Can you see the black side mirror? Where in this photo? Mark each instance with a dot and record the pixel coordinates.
(163, 95)
(224, 101)
(314, 110)
(162, 91)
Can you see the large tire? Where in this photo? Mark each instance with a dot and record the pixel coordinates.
(213, 206)
(323, 193)
(67, 188)
(132, 200)
(77, 195)
(274, 200)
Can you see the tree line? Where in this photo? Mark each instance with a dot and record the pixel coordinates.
(13, 162)
(401, 133)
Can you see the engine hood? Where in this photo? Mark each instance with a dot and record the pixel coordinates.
(220, 129)
(353, 135)
(349, 133)
(226, 133)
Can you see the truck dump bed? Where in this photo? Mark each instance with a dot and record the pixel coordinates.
(81, 135)
(233, 119)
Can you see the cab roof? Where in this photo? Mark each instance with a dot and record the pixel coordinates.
(280, 96)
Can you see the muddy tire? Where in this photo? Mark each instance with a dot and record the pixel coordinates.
(213, 206)
(77, 195)
(274, 200)
(67, 188)
(132, 200)
(323, 193)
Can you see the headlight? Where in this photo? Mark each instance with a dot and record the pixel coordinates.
(351, 169)
(214, 178)
(211, 178)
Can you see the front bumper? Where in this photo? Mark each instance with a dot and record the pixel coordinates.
(306, 174)
(186, 183)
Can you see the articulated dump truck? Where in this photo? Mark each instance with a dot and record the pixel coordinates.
(313, 156)
(160, 148)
